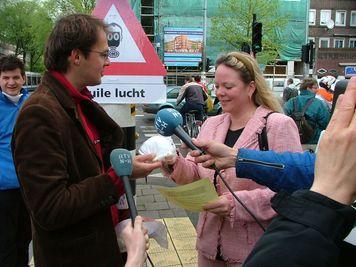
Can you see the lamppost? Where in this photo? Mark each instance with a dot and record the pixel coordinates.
(204, 36)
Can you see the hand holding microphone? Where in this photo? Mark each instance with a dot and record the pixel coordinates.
(136, 242)
(121, 161)
(135, 236)
(217, 154)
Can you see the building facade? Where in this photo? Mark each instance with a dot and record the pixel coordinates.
(332, 26)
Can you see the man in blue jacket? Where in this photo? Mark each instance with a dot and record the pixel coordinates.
(15, 227)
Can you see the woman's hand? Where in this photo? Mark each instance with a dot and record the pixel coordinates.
(169, 160)
(136, 242)
(168, 163)
(221, 207)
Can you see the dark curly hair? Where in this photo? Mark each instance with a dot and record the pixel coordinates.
(11, 62)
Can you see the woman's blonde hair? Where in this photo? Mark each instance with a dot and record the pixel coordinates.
(247, 66)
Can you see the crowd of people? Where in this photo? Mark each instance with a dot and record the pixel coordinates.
(57, 186)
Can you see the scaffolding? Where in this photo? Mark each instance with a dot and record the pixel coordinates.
(155, 15)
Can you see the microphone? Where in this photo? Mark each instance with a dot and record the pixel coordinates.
(169, 121)
(121, 161)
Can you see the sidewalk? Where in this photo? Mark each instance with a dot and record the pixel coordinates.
(181, 250)
(181, 233)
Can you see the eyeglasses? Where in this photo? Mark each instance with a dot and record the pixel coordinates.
(103, 54)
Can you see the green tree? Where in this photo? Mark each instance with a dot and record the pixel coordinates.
(25, 26)
(233, 25)
(75, 6)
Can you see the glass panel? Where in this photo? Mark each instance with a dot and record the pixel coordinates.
(353, 18)
(340, 18)
(312, 17)
(324, 43)
(325, 15)
(339, 43)
(352, 43)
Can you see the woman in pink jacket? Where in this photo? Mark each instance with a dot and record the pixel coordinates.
(226, 232)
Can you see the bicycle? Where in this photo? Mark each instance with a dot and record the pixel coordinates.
(192, 125)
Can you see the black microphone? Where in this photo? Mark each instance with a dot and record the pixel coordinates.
(169, 121)
(121, 161)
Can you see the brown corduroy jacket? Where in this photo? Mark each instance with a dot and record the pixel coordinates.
(60, 175)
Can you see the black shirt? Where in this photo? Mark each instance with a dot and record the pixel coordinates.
(232, 137)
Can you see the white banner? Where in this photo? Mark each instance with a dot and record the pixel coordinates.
(130, 90)
(108, 93)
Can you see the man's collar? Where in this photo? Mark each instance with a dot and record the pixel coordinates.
(77, 95)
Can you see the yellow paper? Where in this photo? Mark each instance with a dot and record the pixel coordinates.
(191, 196)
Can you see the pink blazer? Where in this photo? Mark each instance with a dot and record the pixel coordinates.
(238, 233)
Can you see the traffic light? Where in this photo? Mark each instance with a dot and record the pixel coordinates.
(256, 37)
(200, 65)
(207, 65)
(305, 53)
(311, 54)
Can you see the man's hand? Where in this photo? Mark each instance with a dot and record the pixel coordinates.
(136, 242)
(219, 154)
(335, 168)
(143, 165)
(221, 207)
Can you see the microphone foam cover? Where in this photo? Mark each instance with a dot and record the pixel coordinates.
(121, 161)
(167, 120)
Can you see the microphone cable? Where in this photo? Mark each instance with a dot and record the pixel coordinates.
(149, 259)
(236, 197)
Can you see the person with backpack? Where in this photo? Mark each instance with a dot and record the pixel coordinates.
(310, 114)
(290, 91)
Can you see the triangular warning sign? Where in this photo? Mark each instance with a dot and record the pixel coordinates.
(131, 52)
